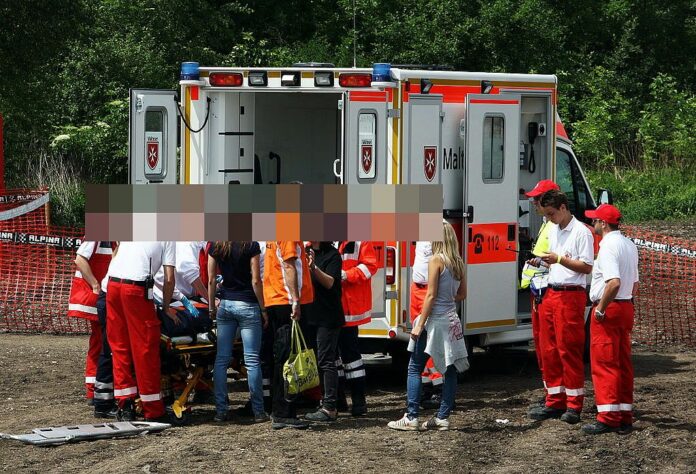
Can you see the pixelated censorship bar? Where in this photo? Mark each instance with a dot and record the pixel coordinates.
(380, 212)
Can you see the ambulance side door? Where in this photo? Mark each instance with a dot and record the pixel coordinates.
(364, 161)
(491, 183)
(152, 137)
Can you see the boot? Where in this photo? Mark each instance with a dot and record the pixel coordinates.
(357, 395)
(127, 411)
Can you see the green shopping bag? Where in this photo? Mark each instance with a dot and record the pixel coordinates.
(300, 371)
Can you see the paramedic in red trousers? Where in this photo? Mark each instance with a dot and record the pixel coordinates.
(92, 263)
(541, 246)
(614, 284)
(133, 327)
(430, 378)
(562, 311)
(359, 264)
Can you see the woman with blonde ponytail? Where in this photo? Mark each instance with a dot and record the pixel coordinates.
(438, 333)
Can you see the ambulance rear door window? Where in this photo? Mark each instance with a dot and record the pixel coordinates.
(493, 149)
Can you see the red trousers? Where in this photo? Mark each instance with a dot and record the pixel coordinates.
(133, 330)
(562, 331)
(95, 346)
(612, 369)
(536, 335)
(429, 375)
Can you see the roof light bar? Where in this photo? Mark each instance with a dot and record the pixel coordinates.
(351, 79)
(323, 79)
(290, 78)
(258, 78)
(226, 79)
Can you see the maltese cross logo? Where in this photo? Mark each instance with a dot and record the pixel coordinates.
(152, 154)
(366, 158)
(429, 162)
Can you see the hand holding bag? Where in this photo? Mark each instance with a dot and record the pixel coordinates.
(300, 371)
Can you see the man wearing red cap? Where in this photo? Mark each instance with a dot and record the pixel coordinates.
(614, 283)
(535, 267)
(561, 315)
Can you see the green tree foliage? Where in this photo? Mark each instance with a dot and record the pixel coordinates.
(626, 68)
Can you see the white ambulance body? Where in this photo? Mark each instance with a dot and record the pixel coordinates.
(485, 137)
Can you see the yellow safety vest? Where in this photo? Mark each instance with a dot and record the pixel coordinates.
(541, 247)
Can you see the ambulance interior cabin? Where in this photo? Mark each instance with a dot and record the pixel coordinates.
(534, 163)
(282, 136)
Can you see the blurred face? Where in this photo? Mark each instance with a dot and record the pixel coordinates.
(537, 207)
(554, 215)
(598, 225)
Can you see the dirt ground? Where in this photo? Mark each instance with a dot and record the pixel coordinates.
(41, 386)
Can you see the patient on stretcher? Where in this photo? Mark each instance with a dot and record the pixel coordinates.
(189, 325)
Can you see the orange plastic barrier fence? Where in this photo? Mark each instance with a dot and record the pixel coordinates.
(36, 266)
(666, 302)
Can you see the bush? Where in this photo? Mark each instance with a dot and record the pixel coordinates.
(98, 150)
(667, 193)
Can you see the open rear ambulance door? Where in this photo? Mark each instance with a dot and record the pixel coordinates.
(491, 210)
(423, 117)
(152, 137)
(364, 161)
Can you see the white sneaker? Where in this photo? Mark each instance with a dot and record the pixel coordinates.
(405, 424)
(435, 423)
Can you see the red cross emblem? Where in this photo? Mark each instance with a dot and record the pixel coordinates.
(366, 158)
(152, 154)
(429, 162)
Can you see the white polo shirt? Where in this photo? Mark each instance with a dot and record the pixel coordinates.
(188, 268)
(135, 260)
(617, 258)
(574, 242)
(419, 274)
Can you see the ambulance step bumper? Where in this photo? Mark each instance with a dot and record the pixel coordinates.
(507, 337)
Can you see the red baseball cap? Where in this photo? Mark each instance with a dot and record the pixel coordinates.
(541, 187)
(606, 213)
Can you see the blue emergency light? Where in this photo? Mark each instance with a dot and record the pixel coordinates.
(380, 72)
(189, 71)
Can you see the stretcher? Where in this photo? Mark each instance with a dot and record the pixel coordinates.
(52, 436)
(187, 362)
(186, 367)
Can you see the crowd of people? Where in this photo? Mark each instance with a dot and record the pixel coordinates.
(133, 291)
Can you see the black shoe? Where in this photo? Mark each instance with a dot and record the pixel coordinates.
(539, 403)
(126, 412)
(599, 428)
(544, 413)
(432, 403)
(571, 416)
(244, 411)
(262, 418)
(321, 415)
(296, 423)
(625, 428)
(90, 402)
(106, 412)
(221, 417)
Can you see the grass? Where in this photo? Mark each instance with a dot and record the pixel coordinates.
(644, 195)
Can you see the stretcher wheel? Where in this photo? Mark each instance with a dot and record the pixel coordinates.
(181, 420)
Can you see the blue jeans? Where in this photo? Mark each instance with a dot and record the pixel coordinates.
(413, 382)
(247, 317)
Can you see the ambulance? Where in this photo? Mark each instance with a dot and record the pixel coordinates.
(485, 137)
